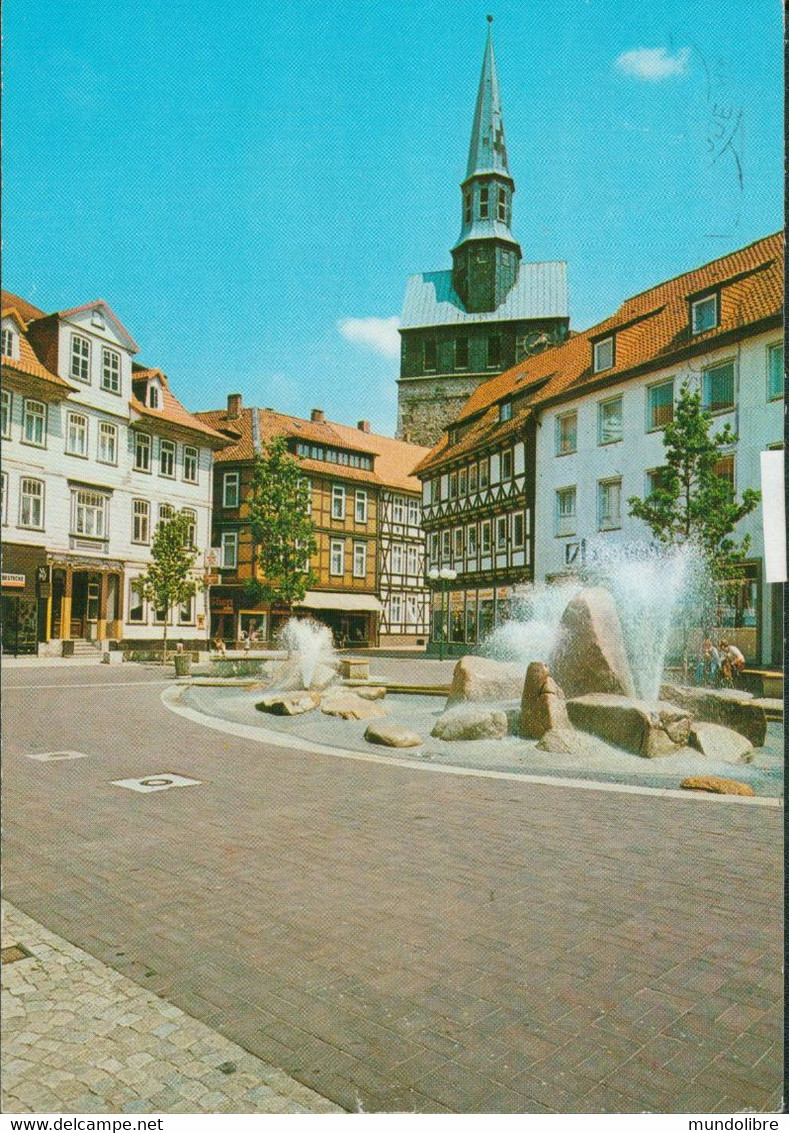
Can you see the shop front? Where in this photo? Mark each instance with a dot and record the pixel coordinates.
(85, 600)
(354, 619)
(461, 619)
(25, 593)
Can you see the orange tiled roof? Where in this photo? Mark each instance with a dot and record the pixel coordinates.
(650, 329)
(171, 411)
(28, 363)
(28, 312)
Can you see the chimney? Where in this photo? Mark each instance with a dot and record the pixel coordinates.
(234, 406)
(363, 426)
(318, 416)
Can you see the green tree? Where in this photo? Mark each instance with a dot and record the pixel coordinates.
(283, 533)
(167, 582)
(691, 501)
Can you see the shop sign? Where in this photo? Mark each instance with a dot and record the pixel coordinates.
(220, 605)
(17, 581)
(485, 595)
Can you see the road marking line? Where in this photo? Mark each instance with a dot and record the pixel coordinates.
(171, 698)
(102, 684)
(53, 756)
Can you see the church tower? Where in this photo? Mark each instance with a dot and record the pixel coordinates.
(460, 327)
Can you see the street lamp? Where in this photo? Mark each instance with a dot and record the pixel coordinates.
(441, 579)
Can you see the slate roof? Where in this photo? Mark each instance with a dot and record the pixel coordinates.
(540, 292)
(650, 329)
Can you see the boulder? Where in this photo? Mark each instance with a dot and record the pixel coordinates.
(289, 703)
(563, 741)
(717, 742)
(348, 706)
(288, 676)
(471, 722)
(590, 655)
(370, 692)
(480, 678)
(542, 704)
(717, 785)
(729, 707)
(645, 727)
(392, 735)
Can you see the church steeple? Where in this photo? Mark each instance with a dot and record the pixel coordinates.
(486, 257)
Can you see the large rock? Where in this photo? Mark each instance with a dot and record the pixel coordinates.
(392, 735)
(348, 706)
(645, 727)
(564, 741)
(717, 742)
(370, 692)
(471, 722)
(288, 676)
(717, 785)
(542, 704)
(729, 707)
(289, 703)
(590, 651)
(480, 678)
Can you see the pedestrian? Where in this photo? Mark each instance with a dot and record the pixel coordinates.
(709, 663)
(732, 661)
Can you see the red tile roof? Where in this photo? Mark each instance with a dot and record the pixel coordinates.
(28, 363)
(650, 329)
(171, 411)
(28, 312)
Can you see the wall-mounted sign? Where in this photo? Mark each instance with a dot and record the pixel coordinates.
(220, 605)
(17, 581)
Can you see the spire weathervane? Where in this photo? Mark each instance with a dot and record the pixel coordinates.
(489, 19)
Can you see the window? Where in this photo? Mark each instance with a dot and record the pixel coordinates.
(609, 500)
(413, 512)
(360, 560)
(167, 459)
(505, 411)
(186, 612)
(110, 370)
(484, 472)
(90, 513)
(166, 512)
(462, 482)
(412, 610)
(141, 521)
(430, 354)
(517, 529)
(485, 530)
(398, 509)
(5, 431)
(190, 464)
(494, 351)
(660, 405)
(501, 533)
(160, 615)
(603, 354)
(467, 206)
(656, 480)
(446, 546)
(4, 497)
(609, 421)
(31, 503)
(80, 358)
(136, 602)
(461, 353)
(566, 433)
(396, 609)
(565, 511)
(229, 550)
(154, 399)
(453, 485)
(725, 469)
(307, 486)
(717, 394)
(34, 423)
(506, 464)
(412, 559)
(775, 371)
(337, 501)
(337, 557)
(434, 547)
(108, 443)
(471, 541)
(484, 202)
(231, 483)
(501, 206)
(142, 452)
(191, 529)
(77, 434)
(704, 314)
(397, 558)
(8, 342)
(472, 478)
(459, 548)
(360, 505)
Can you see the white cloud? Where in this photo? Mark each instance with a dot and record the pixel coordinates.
(653, 63)
(379, 334)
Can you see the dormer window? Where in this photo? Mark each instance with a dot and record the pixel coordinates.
(505, 411)
(110, 370)
(80, 358)
(154, 397)
(704, 313)
(603, 354)
(97, 319)
(8, 342)
(484, 202)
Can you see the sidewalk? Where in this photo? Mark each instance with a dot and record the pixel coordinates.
(79, 1037)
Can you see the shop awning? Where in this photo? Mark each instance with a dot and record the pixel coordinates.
(355, 603)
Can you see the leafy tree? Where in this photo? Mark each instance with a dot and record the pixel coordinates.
(691, 501)
(282, 530)
(167, 583)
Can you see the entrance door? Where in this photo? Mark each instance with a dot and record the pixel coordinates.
(19, 625)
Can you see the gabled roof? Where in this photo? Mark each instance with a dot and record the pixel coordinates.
(651, 330)
(393, 459)
(28, 364)
(26, 310)
(540, 292)
(109, 315)
(171, 411)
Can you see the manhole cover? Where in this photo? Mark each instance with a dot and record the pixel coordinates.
(162, 781)
(14, 952)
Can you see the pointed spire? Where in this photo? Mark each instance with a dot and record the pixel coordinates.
(488, 151)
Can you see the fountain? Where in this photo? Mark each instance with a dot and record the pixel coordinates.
(310, 650)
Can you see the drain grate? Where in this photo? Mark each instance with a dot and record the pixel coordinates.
(12, 953)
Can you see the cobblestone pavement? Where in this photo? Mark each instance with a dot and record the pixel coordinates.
(79, 1037)
(419, 942)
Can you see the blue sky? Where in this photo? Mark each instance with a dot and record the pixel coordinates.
(249, 185)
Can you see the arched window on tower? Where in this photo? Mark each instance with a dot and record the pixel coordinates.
(502, 206)
(467, 206)
(484, 202)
